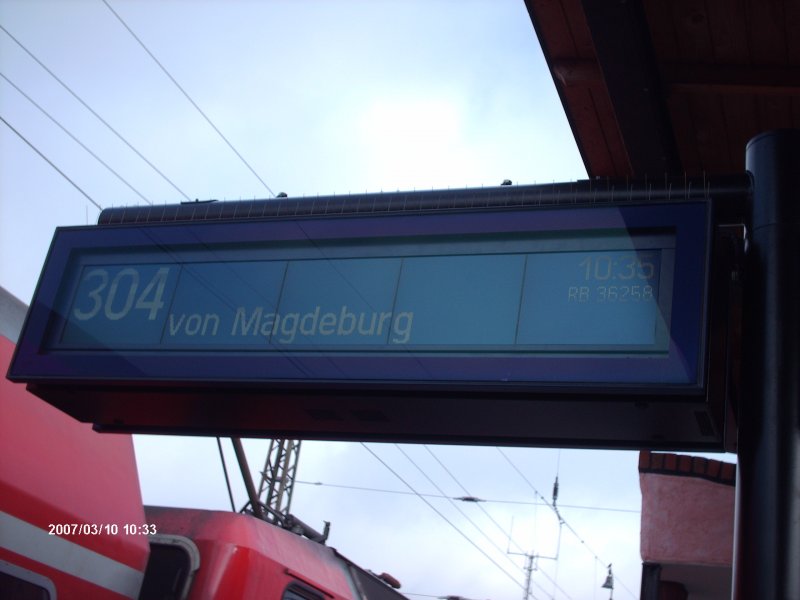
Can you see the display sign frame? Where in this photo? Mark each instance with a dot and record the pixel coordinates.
(113, 359)
(98, 384)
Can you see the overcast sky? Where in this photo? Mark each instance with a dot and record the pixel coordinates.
(318, 98)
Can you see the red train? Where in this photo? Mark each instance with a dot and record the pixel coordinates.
(72, 523)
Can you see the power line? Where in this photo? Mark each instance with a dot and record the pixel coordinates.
(527, 588)
(96, 115)
(453, 477)
(76, 140)
(49, 162)
(188, 97)
(475, 525)
(553, 581)
(448, 521)
(468, 498)
(567, 525)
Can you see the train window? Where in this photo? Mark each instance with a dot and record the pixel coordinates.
(17, 583)
(298, 592)
(373, 588)
(174, 559)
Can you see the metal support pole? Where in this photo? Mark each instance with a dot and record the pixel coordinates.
(528, 575)
(238, 449)
(767, 533)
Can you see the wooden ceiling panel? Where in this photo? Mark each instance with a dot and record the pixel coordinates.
(685, 138)
(582, 37)
(617, 155)
(690, 23)
(679, 85)
(774, 112)
(559, 42)
(570, 54)
(727, 24)
(711, 134)
(741, 123)
(792, 27)
(766, 32)
(590, 113)
(662, 32)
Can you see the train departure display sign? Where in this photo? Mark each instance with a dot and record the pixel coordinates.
(471, 303)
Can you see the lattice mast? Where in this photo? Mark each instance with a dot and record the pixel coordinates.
(278, 478)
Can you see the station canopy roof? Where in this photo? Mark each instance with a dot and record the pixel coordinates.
(653, 88)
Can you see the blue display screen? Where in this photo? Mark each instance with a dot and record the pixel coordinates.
(607, 296)
(588, 293)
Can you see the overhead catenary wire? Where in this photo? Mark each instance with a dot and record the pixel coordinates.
(555, 507)
(551, 505)
(468, 494)
(188, 97)
(552, 580)
(530, 581)
(95, 113)
(448, 521)
(49, 162)
(471, 499)
(527, 589)
(75, 139)
(563, 521)
(452, 501)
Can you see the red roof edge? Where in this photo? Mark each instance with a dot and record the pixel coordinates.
(687, 466)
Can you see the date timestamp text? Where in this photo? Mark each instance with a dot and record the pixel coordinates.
(102, 529)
